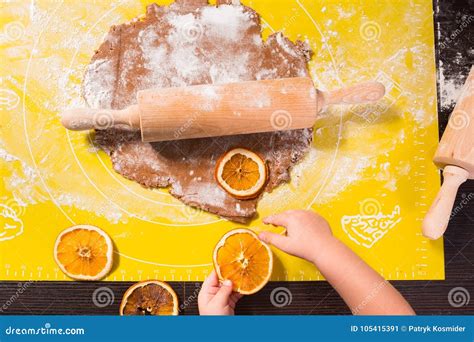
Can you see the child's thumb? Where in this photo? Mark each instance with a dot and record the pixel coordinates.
(276, 240)
(222, 296)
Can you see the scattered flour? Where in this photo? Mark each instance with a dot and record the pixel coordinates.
(229, 22)
(449, 88)
(185, 58)
(102, 95)
(212, 195)
(26, 188)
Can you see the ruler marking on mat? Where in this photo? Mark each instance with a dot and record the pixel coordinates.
(420, 181)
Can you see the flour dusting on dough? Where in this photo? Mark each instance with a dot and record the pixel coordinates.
(194, 44)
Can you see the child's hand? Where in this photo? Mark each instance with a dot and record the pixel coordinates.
(307, 233)
(217, 299)
(309, 236)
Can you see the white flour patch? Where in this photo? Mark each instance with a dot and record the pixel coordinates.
(23, 181)
(348, 170)
(213, 195)
(281, 40)
(319, 186)
(449, 89)
(226, 21)
(110, 211)
(102, 96)
(345, 14)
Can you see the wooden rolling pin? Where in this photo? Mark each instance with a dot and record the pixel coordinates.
(455, 154)
(226, 109)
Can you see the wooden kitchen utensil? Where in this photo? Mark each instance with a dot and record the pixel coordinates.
(455, 154)
(225, 109)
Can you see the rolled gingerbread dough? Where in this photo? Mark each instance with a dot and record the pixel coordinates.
(188, 43)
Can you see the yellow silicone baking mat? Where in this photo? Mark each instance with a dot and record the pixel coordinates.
(369, 171)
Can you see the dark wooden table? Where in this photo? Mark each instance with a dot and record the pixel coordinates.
(454, 20)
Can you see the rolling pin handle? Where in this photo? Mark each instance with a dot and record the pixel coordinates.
(437, 219)
(82, 119)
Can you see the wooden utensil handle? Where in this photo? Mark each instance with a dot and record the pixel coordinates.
(360, 93)
(437, 219)
(81, 119)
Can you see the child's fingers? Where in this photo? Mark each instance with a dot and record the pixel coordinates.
(276, 240)
(234, 297)
(211, 280)
(222, 296)
(237, 295)
(232, 302)
(282, 219)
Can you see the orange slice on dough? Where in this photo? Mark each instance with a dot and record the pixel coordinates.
(241, 257)
(242, 173)
(84, 252)
(151, 297)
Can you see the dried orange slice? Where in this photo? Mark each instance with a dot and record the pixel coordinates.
(241, 172)
(241, 257)
(151, 297)
(84, 252)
